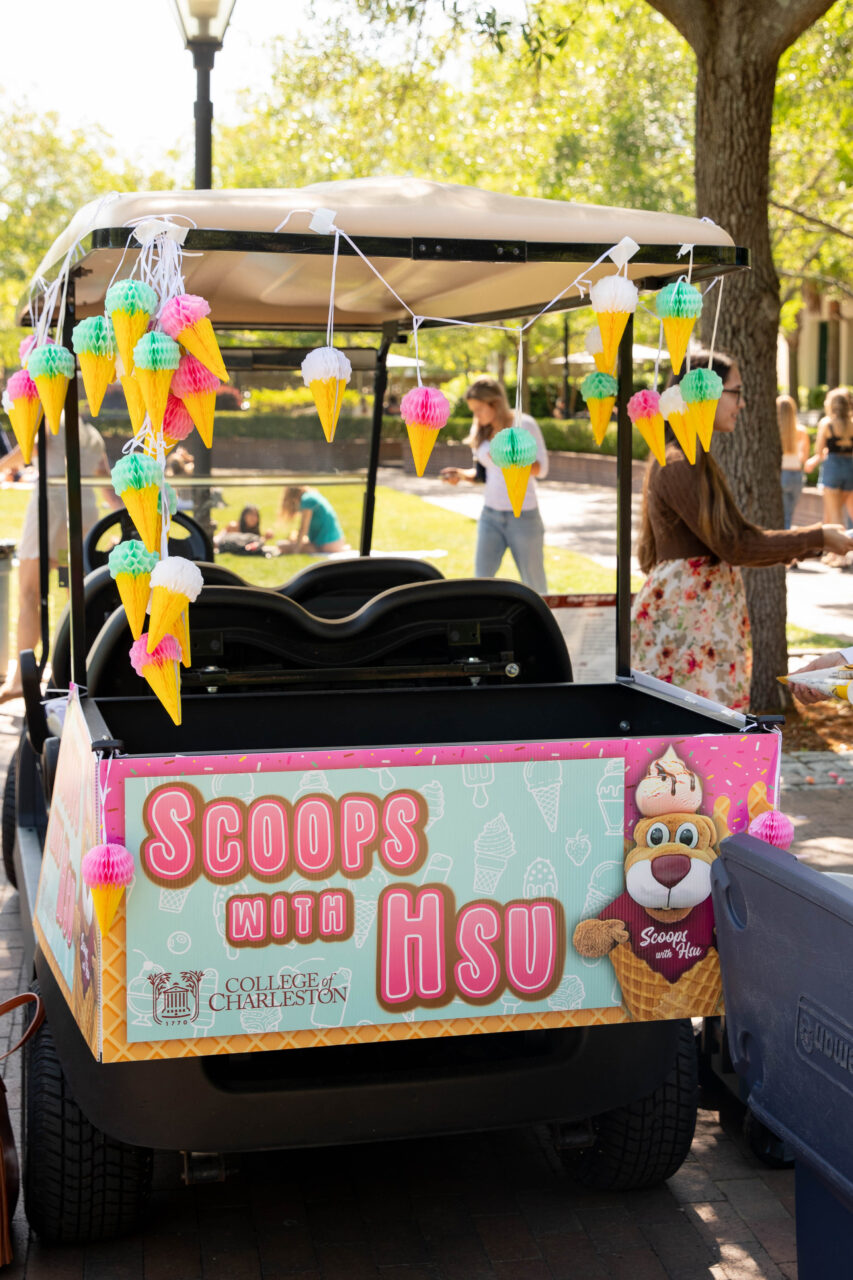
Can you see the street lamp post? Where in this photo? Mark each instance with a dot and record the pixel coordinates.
(202, 24)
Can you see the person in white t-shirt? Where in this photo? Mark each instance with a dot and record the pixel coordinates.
(499, 529)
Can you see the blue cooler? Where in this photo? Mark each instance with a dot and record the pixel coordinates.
(785, 935)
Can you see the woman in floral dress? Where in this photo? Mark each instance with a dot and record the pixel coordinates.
(690, 625)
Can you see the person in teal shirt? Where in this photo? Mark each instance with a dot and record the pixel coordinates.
(319, 528)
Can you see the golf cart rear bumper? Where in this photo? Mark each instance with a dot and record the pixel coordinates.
(360, 1093)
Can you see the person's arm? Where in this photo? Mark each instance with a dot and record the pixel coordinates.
(835, 658)
(804, 445)
(540, 466)
(452, 475)
(301, 538)
(11, 461)
(819, 449)
(676, 485)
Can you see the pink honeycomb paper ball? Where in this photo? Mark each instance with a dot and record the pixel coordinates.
(773, 828)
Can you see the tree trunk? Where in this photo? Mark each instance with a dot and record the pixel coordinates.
(793, 341)
(833, 345)
(737, 49)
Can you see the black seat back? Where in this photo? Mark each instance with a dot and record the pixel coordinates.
(100, 600)
(441, 633)
(337, 588)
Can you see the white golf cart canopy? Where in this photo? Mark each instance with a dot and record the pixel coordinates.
(449, 251)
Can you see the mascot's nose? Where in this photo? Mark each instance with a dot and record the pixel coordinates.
(670, 868)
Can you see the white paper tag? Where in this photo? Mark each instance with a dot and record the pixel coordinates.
(323, 221)
(148, 230)
(623, 251)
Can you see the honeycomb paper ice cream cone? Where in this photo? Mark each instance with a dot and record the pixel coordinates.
(327, 371)
(134, 400)
(154, 385)
(186, 319)
(594, 348)
(677, 331)
(599, 391)
(94, 344)
(514, 451)
(196, 386)
(106, 898)
(134, 592)
(130, 305)
(137, 481)
(700, 417)
(51, 368)
(160, 670)
(678, 305)
(175, 582)
(674, 410)
(613, 299)
(649, 997)
(644, 412)
(701, 390)
(425, 411)
(23, 405)
(181, 633)
(156, 358)
(107, 870)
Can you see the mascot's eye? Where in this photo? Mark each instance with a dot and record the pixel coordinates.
(687, 835)
(658, 833)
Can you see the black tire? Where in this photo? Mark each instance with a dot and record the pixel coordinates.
(79, 1185)
(9, 818)
(644, 1143)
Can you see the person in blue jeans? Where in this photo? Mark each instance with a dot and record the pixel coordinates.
(499, 529)
(834, 453)
(796, 448)
(319, 528)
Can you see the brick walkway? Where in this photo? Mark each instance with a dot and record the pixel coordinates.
(459, 1208)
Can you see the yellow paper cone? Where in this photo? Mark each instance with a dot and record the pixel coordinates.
(106, 899)
(328, 397)
(98, 372)
(599, 416)
(52, 392)
(142, 508)
(677, 331)
(149, 445)
(25, 416)
(516, 485)
(181, 632)
(200, 340)
(134, 590)
(652, 431)
(128, 330)
(164, 679)
(135, 403)
(421, 439)
(166, 608)
(701, 414)
(154, 385)
(612, 326)
(200, 407)
(685, 434)
(601, 364)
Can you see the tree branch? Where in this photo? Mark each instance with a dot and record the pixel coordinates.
(809, 217)
(819, 279)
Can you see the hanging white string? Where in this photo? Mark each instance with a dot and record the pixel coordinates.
(103, 791)
(658, 356)
(330, 323)
(719, 281)
(416, 324)
(582, 283)
(285, 221)
(519, 369)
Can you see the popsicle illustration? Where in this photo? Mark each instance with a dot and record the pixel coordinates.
(185, 318)
(51, 368)
(107, 870)
(160, 669)
(327, 371)
(137, 480)
(678, 305)
(130, 304)
(196, 386)
(595, 347)
(644, 412)
(614, 298)
(674, 411)
(514, 451)
(24, 409)
(175, 583)
(479, 776)
(156, 358)
(424, 410)
(94, 345)
(599, 391)
(701, 389)
(131, 565)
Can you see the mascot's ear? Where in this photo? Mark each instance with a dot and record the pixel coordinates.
(707, 827)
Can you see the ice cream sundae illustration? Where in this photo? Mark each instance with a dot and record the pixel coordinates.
(543, 779)
(493, 849)
(611, 796)
(659, 933)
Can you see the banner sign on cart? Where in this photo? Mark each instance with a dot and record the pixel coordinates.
(432, 883)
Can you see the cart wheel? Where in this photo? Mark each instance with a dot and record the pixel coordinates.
(646, 1142)
(80, 1185)
(9, 816)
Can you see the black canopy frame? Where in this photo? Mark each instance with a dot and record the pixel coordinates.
(709, 261)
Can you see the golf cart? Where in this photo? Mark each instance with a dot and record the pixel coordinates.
(366, 859)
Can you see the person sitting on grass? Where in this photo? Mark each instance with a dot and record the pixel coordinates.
(319, 529)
